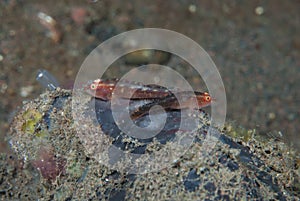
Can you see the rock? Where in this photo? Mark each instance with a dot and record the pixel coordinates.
(142, 57)
(242, 167)
(78, 15)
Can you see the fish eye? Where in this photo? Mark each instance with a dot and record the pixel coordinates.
(93, 86)
(207, 98)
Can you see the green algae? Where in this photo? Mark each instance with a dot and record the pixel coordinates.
(42, 134)
(75, 169)
(31, 119)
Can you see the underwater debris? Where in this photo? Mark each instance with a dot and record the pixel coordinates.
(50, 24)
(47, 80)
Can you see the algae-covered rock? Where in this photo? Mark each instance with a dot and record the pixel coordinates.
(46, 138)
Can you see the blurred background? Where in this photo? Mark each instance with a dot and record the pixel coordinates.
(254, 44)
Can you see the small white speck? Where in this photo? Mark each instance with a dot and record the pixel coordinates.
(45, 17)
(271, 116)
(40, 75)
(26, 91)
(192, 8)
(1, 57)
(12, 32)
(259, 10)
(3, 87)
(98, 80)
